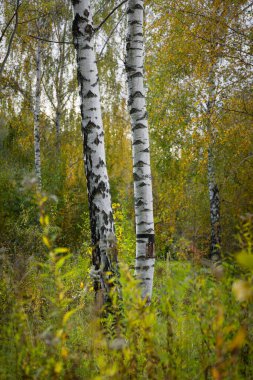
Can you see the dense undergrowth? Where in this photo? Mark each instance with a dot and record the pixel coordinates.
(197, 327)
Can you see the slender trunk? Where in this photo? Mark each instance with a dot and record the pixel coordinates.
(37, 118)
(58, 128)
(101, 219)
(145, 259)
(214, 195)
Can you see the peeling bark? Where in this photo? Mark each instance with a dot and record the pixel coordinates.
(101, 218)
(145, 258)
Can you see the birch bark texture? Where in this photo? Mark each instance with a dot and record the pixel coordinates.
(37, 105)
(101, 217)
(214, 194)
(144, 221)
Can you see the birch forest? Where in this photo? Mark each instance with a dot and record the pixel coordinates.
(126, 191)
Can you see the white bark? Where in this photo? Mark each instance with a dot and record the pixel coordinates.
(214, 195)
(37, 118)
(144, 221)
(101, 219)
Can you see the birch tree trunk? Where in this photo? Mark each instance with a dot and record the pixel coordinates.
(60, 86)
(145, 259)
(214, 195)
(101, 218)
(37, 118)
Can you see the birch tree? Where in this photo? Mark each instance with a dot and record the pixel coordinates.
(99, 198)
(214, 194)
(222, 14)
(37, 158)
(58, 81)
(145, 259)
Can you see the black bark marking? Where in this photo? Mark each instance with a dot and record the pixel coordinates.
(135, 22)
(95, 84)
(144, 267)
(91, 94)
(81, 78)
(86, 13)
(98, 178)
(89, 127)
(137, 94)
(130, 11)
(138, 142)
(143, 117)
(105, 217)
(139, 203)
(139, 126)
(75, 2)
(137, 75)
(89, 30)
(101, 163)
(96, 141)
(134, 110)
(86, 47)
(138, 6)
(78, 20)
(139, 164)
(136, 177)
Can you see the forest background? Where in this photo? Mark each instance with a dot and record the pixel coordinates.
(196, 326)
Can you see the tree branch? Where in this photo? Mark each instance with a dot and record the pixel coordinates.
(215, 19)
(110, 35)
(51, 41)
(237, 111)
(7, 25)
(33, 19)
(11, 39)
(247, 7)
(109, 15)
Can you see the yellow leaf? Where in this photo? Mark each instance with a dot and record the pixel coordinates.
(46, 241)
(46, 220)
(61, 250)
(67, 316)
(64, 352)
(58, 367)
(238, 340)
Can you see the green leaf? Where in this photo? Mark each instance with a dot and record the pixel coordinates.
(61, 261)
(61, 250)
(245, 260)
(68, 315)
